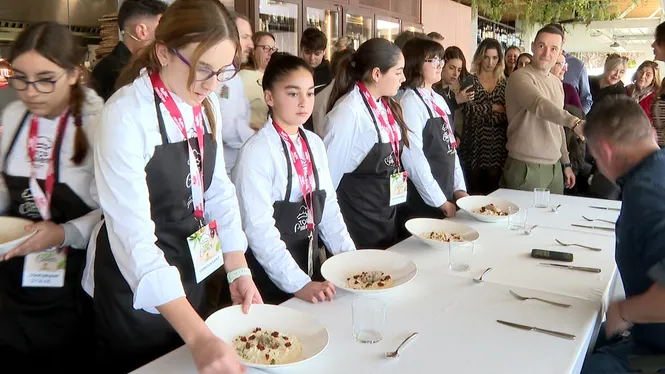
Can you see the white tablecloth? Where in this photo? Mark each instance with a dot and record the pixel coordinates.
(456, 318)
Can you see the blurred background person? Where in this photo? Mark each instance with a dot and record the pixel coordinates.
(251, 74)
(645, 86)
(512, 53)
(523, 60)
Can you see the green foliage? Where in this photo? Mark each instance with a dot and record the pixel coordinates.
(548, 11)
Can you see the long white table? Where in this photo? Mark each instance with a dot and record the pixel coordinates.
(456, 317)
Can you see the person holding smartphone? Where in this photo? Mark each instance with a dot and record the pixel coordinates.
(171, 215)
(455, 86)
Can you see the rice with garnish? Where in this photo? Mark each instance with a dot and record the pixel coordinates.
(268, 347)
(369, 280)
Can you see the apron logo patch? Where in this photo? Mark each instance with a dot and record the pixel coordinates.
(43, 154)
(390, 160)
(28, 208)
(224, 93)
(301, 219)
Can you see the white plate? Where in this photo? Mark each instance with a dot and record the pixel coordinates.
(231, 322)
(419, 226)
(471, 203)
(339, 267)
(12, 233)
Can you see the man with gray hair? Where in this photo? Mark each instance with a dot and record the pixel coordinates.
(620, 137)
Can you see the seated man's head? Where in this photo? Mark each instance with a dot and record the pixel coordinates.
(619, 135)
(313, 46)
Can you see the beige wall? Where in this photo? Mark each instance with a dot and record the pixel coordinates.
(452, 20)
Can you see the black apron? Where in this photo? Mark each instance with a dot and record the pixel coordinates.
(43, 327)
(128, 338)
(364, 196)
(291, 221)
(440, 155)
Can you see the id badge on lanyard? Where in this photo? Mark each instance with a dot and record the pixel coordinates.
(398, 185)
(204, 245)
(305, 172)
(46, 268)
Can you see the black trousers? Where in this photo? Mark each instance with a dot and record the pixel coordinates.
(482, 181)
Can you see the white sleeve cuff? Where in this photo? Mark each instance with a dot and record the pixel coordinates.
(73, 237)
(157, 288)
(296, 283)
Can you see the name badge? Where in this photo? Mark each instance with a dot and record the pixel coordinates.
(206, 251)
(45, 269)
(398, 188)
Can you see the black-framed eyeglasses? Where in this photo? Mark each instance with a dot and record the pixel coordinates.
(267, 48)
(44, 86)
(203, 73)
(436, 62)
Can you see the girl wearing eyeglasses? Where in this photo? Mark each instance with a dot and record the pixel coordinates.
(252, 73)
(436, 177)
(170, 212)
(285, 192)
(47, 167)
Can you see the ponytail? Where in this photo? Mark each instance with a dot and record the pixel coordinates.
(345, 79)
(77, 98)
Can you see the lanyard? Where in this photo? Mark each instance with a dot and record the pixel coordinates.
(195, 172)
(442, 114)
(43, 198)
(306, 181)
(390, 126)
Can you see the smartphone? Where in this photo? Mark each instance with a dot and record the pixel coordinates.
(552, 255)
(466, 83)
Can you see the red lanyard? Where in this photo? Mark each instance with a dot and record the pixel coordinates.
(43, 198)
(442, 114)
(195, 172)
(306, 181)
(391, 126)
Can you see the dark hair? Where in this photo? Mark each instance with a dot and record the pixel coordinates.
(338, 56)
(525, 54)
(280, 65)
(405, 36)
(558, 26)
(57, 44)
(187, 21)
(374, 53)
(452, 53)
(139, 8)
(551, 29)
(435, 36)
(416, 51)
(236, 16)
(313, 40)
(659, 34)
(251, 64)
(617, 118)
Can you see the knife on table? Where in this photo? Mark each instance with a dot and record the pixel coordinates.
(593, 227)
(605, 208)
(537, 329)
(580, 268)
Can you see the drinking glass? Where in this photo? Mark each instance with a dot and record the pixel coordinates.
(541, 197)
(369, 319)
(517, 218)
(459, 258)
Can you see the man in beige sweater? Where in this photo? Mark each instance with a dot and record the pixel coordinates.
(536, 119)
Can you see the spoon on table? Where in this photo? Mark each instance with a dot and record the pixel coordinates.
(528, 231)
(555, 209)
(395, 354)
(480, 279)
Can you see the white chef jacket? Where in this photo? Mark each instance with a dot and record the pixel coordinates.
(260, 177)
(76, 177)
(234, 108)
(416, 116)
(126, 141)
(349, 133)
